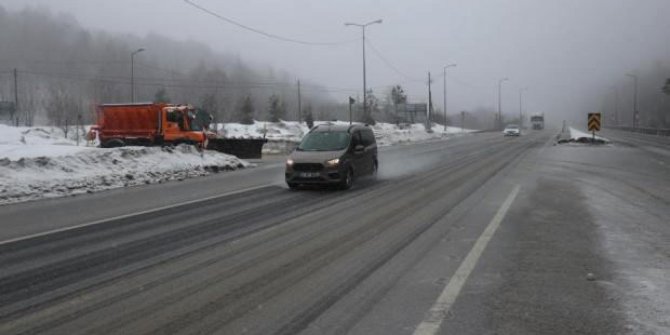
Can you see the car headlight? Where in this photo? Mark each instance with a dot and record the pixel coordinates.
(289, 162)
(333, 162)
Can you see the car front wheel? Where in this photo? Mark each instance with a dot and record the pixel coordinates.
(348, 180)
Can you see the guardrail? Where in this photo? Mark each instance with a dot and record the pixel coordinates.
(649, 131)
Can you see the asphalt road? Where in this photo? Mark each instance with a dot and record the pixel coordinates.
(473, 235)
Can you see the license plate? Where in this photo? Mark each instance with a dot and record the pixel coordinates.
(309, 174)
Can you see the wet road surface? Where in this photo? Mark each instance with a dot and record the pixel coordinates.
(478, 234)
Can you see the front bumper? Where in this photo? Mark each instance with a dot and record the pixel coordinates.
(325, 175)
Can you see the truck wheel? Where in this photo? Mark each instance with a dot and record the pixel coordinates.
(292, 186)
(115, 143)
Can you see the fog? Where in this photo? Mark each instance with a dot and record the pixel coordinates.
(571, 55)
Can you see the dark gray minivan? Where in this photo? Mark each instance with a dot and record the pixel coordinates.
(333, 154)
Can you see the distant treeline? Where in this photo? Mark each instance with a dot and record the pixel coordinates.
(62, 70)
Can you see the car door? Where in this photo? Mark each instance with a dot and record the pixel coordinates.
(357, 158)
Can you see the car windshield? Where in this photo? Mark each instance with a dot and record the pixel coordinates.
(512, 126)
(325, 141)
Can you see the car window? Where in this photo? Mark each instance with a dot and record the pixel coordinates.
(367, 137)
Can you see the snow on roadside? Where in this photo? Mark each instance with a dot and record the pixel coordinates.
(285, 134)
(40, 163)
(582, 137)
(390, 134)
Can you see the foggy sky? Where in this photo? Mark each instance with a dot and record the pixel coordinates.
(564, 51)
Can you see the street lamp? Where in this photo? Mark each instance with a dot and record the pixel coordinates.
(500, 101)
(444, 95)
(365, 100)
(521, 90)
(635, 111)
(132, 73)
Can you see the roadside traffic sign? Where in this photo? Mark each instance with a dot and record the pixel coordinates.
(594, 122)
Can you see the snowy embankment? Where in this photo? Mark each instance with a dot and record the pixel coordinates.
(582, 137)
(283, 136)
(40, 162)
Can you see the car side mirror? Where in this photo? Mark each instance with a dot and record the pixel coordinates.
(359, 148)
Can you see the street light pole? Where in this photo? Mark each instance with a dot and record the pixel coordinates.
(132, 73)
(635, 111)
(444, 95)
(500, 101)
(365, 100)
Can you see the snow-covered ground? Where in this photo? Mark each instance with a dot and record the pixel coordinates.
(630, 232)
(40, 162)
(291, 132)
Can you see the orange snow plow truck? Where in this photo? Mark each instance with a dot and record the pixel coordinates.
(148, 124)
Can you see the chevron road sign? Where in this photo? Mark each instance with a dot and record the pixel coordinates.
(594, 122)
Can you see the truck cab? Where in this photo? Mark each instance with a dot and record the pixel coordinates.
(181, 125)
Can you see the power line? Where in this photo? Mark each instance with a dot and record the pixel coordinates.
(388, 64)
(260, 32)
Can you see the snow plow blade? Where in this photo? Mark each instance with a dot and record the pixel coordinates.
(242, 148)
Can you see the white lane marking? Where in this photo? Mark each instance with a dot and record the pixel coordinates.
(436, 315)
(153, 210)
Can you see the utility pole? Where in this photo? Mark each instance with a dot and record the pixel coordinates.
(616, 106)
(521, 106)
(635, 111)
(16, 95)
(351, 102)
(365, 89)
(132, 73)
(299, 104)
(430, 104)
(444, 95)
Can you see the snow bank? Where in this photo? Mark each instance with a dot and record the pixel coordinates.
(283, 136)
(391, 134)
(582, 137)
(40, 163)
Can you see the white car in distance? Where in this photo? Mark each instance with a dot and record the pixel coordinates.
(512, 130)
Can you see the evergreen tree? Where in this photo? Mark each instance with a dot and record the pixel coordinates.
(276, 108)
(373, 108)
(246, 111)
